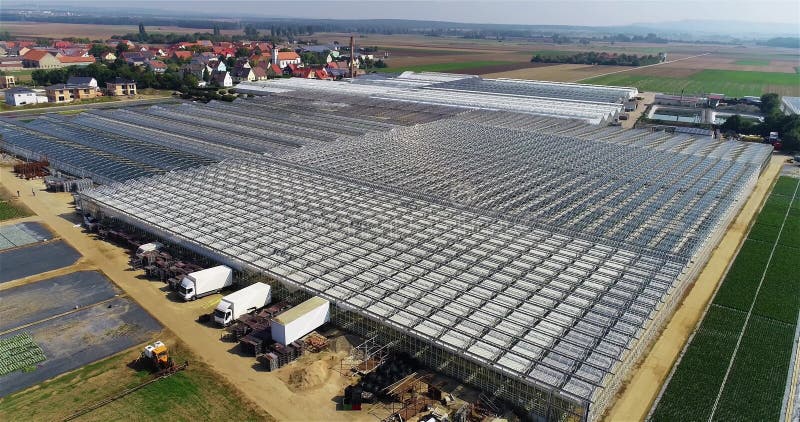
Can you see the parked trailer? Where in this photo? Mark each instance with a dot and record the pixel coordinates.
(300, 320)
(234, 305)
(205, 282)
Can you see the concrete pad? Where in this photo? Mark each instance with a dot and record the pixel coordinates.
(30, 260)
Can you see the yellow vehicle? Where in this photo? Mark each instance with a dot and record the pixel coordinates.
(751, 138)
(156, 356)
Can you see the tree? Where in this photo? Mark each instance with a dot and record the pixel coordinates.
(98, 50)
(216, 30)
(251, 32)
(770, 103)
(190, 81)
(737, 124)
(121, 48)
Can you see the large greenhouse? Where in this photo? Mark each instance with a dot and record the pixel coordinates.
(531, 257)
(455, 217)
(590, 103)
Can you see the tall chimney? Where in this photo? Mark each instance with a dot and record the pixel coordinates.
(275, 55)
(352, 57)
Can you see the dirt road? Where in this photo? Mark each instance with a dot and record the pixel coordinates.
(643, 67)
(646, 381)
(263, 388)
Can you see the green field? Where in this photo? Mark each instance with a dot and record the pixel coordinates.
(10, 208)
(729, 82)
(752, 62)
(194, 394)
(445, 67)
(756, 382)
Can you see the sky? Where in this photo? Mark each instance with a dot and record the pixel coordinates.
(533, 12)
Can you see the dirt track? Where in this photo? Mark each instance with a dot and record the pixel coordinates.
(265, 389)
(647, 379)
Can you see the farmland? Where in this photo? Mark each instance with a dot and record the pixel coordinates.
(736, 364)
(9, 208)
(729, 82)
(194, 394)
(474, 66)
(752, 62)
(63, 30)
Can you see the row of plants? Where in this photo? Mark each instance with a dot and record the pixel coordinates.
(755, 386)
(695, 383)
(19, 352)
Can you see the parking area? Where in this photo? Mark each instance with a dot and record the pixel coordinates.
(76, 319)
(29, 260)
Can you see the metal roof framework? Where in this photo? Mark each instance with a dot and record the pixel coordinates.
(544, 302)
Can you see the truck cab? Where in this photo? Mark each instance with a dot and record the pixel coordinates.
(223, 314)
(186, 289)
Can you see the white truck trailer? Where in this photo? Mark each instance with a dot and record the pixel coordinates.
(300, 320)
(236, 304)
(205, 282)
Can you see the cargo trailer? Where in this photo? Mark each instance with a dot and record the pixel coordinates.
(300, 320)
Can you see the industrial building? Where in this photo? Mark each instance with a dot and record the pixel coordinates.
(533, 257)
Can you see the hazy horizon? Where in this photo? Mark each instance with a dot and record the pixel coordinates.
(532, 12)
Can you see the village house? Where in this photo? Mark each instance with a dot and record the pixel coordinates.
(63, 93)
(83, 80)
(7, 81)
(156, 66)
(121, 87)
(222, 79)
(40, 59)
(76, 61)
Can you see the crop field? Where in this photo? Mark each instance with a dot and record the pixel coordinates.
(729, 82)
(19, 352)
(194, 394)
(9, 208)
(63, 30)
(752, 62)
(450, 67)
(736, 365)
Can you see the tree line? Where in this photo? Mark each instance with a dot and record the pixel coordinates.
(591, 57)
(172, 78)
(788, 127)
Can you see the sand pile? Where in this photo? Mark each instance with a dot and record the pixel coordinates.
(309, 376)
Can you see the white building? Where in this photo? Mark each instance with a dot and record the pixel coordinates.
(23, 96)
(222, 79)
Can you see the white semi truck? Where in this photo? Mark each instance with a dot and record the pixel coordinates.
(236, 304)
(300, 320)
(205, 282)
